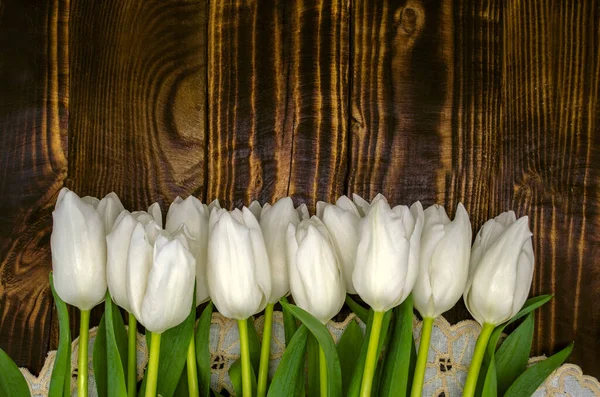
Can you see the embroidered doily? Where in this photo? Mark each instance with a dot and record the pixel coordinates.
(447, 364)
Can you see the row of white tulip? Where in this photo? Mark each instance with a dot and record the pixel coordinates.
(245, 260)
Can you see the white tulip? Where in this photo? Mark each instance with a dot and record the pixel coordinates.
(78, 251)
(444, 261)
(387, 257)
(501, 269)
(117, 243)
(303, 212)
(342, 221)
(160, 277)
(316, 282)
(237, 272)
(194, 215)
(256, 209)
(109, 209)
(274, 222)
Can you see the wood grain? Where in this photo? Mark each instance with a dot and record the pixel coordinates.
(278, 82)
(138, 101)
(317, 106)
(248, 149)
(33, 165)
(549, 162)
(138, 96)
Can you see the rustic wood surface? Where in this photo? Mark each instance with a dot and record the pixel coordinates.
(494, 104)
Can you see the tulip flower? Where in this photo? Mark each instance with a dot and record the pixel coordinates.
(79, 261)
(274, 221)
(238, 273)
(387, 263)
(316, 281)
(341, 220)
(442, 277)
(161, 272)
(109, 209)
(194, 215)
(117, 243)
(501, 272)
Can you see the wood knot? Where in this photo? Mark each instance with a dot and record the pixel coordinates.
(408, 21)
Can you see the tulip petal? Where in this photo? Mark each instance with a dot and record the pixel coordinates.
(139, 263)
(117, 243)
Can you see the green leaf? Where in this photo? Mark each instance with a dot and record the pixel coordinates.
(99, 359)
(60, 382)
(235, 375)
(348, 349)
(110, 352)
(182, 389)
(490, 383)
(12, 381)
(513, 354)
(355, 383)
(290, 370)
(203, 350)
(530, 305)
(360, 311)
(528, 382)
(173, 355)
(289, 323)
(116, 349)
(396, 368)
(253, 344)
(334, 372)
(312, 364)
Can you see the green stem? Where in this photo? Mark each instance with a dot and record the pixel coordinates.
(480, 347)
(265, 352)
(82, 363)
(371, 361)
(417, 386)
(153, 365)
(131, 356)
(322, 372)
(245, 356)
(192, 372)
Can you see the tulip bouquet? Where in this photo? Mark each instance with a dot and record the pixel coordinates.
(246, 261)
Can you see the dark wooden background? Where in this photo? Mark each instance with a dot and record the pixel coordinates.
(493, 103)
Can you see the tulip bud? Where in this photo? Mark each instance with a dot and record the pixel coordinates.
(342, 221)
(118, 244)
(387, 257)
(78, 251)
(160, 277)
(274, 222)
(256, 209)
(501, 269)
(315, 277)
(302, 210)
(109, 209)
(444, 261)
(238, 265)
(194, 215)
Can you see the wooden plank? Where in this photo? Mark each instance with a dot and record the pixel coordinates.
(422, 92)
(138, 100)
(401, 98)
(138, 95)
(549, 166)
(318, 98)
(248, 150)
(33, 165)
(278, 98)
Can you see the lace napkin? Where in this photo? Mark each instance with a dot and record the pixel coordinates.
(447, 364)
